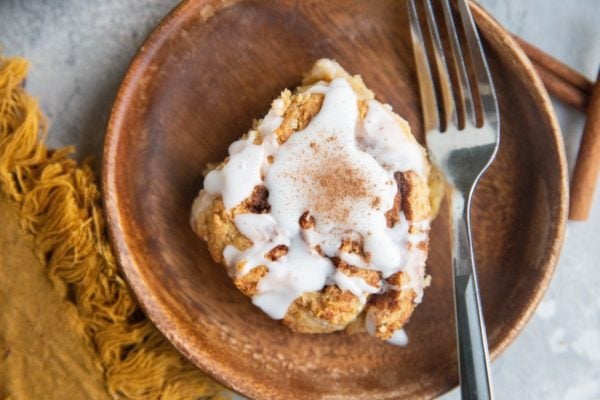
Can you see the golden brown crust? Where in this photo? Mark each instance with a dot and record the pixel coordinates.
(389, 311)
(437, 189)
(371, 277)
(354, 247)
(358, 325)
(415, 196)
(392, 216)
(247, 283)
(306, 221)
(329, 310)
(326, 71)
(302, 108)
(277, 252)
(258, 202)
(412, 198)
(398, 280)
(217, 227)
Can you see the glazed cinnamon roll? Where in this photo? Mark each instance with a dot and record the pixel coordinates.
(321, 212)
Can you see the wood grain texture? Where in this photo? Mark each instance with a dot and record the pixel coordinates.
(195, 86)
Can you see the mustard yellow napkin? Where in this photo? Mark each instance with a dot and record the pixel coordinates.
(69, 326)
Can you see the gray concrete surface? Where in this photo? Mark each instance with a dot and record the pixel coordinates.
(79, 51)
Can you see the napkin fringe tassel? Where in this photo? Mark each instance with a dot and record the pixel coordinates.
(59, 203)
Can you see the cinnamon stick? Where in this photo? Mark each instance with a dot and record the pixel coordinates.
(559, 69)
(562, 90)
(560, 80)
(585, 175)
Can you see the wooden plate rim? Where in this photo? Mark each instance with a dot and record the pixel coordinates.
(166, 321)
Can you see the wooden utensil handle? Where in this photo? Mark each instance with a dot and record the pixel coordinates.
(585, 174)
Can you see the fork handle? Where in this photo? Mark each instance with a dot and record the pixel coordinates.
(473, 355)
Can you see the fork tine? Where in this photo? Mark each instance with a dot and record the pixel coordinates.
(424, 76)
(482, 72)
(463, 77)
(442, 68)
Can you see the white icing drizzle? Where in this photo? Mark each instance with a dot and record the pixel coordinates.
(298, 272)
(331, 132)
(354, 284)
(383, 138)
(399, 338)
(339, 169)
(240, 174)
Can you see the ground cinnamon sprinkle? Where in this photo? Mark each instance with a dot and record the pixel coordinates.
(335, 183)
(376, 202)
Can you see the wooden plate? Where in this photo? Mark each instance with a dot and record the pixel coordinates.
(195, 86)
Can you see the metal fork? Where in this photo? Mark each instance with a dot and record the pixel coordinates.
(462, 151)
